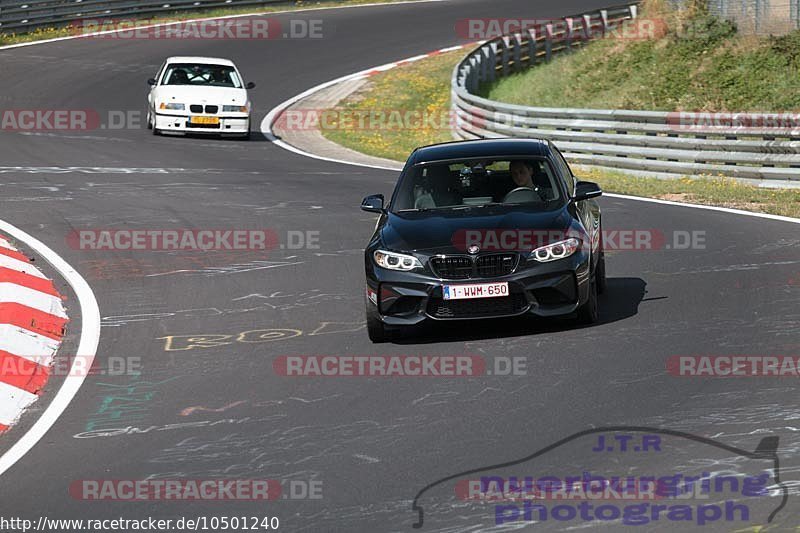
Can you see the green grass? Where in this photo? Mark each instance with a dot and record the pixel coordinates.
(695, 62)
(415, 89)
(52, 33)
(707, 191)
(426, 85)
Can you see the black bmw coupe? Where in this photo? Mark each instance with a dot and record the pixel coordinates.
(484, 229)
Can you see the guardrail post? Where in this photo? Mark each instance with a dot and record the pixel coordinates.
(569, 35)
(587, 27)
(504, 55)
(532, 47)
(548, 42)
(472, 81)
(517, 40)
(492, 63)
(634, 9)
(604, 18)
(486, 55)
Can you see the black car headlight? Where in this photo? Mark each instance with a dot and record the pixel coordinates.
(395, 261)
(556, 250)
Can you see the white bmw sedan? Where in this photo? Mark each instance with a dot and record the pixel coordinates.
(199, 95)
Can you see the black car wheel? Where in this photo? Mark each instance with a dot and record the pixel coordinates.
(589, 312)
(600, 274)
(375, 328)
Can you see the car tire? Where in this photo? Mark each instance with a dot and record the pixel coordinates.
(149, 121)
(376, 329)
(589, 312)
(246, 136)
(602, 282)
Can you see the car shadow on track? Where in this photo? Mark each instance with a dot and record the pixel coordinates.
(620, 301)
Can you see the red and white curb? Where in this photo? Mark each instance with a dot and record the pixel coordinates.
(32, 322)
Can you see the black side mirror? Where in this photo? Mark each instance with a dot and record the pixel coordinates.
(585, 190)
(250, 85)
(151, 81)
(373, 203)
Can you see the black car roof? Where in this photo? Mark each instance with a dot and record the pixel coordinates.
(481, 148)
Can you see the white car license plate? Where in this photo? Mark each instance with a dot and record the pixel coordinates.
(209, 121)
(476, 290)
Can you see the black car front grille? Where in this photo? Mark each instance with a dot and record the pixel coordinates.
(490, 266)
(512, 304)
(210, 109)
(465, 267)
(452, 267)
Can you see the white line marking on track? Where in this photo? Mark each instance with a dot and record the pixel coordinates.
(269, 120)
(87, 346)
(266, 129)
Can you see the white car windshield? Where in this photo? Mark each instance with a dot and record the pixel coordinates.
(198, 75)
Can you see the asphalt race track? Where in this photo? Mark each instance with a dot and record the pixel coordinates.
(372, 442)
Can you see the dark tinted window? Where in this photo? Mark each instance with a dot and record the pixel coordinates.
(564, 171)
(454, 184)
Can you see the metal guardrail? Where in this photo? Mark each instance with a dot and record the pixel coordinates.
(637, 140)
(23, 16)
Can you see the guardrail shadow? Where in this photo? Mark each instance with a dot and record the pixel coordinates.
(620, 301)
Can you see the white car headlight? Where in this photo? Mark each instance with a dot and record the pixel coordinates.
(235, 109)
(395, 261)
(172, 106)
(556, 250)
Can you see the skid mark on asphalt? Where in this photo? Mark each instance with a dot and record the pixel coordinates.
(275, 301)
(259, 403)
(726, 268)
(100, 170)
(197, 408)
(229, 269)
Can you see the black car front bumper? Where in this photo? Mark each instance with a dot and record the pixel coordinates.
(540, 289)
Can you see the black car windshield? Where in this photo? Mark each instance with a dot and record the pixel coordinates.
(201, 75)
(478, 183)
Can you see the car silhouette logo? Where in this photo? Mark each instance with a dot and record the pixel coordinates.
(473, 249)
(766, 450)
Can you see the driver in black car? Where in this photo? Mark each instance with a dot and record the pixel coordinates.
(529, 174)
(522, 173)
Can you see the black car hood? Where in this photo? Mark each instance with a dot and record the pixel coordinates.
(433, 232)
